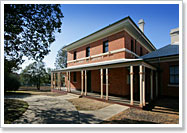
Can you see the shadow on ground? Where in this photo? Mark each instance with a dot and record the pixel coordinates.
(16, 95)
(165, 105)
(58, 116)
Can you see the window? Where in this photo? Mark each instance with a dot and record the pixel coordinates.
(174, 74)
(141, 53)
(132, 46)
(87, 51)
(74, 77)
(75, 55)
(135, 47)
(105, 46)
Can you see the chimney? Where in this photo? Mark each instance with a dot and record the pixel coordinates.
(141, 25)
(174, 34)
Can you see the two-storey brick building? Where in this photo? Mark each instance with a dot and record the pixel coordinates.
(108, 62)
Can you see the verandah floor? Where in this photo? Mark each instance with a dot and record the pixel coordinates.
(112, 99)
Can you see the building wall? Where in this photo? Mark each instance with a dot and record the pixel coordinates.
(118, 84)
(128, 39)
(74, 85)
(116, 41)
(165, 88)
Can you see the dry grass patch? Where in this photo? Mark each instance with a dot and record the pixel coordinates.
(137, 116)
(14, 109)
(88, 104)
(29, 93)
(42, 93)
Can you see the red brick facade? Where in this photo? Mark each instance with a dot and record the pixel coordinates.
(167, 89)
(117, 86)
(116, 41)
(149, 77)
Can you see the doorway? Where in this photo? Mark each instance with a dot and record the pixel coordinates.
(89, 81)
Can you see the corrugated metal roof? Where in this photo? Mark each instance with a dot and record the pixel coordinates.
(168, 50)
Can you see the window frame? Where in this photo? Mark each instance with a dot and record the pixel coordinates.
(87, 51)
(104, 46)
(74, 55)
(141, 51)
(132, 45)
(135, 47)
(175, 74)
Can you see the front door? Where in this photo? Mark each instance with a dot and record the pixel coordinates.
(89, 81)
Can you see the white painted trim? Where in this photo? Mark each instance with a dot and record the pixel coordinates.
(85, 76)
(101, 74)
(131, 84)
(106, 83)
(126, 50)
(103, 54)
(141, 85)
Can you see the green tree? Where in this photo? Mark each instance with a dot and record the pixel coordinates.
(11, 81)
(28, 31)
(34, 74)
(61, 59)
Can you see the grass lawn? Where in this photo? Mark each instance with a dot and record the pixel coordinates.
(88, 104)
(14, 109)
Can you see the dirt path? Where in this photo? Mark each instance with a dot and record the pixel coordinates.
(49, 110)
(45, 109)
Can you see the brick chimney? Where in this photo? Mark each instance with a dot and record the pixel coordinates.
(174, 34)
(141, 25)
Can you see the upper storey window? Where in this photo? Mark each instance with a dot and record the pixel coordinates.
(105, 46)
(75, 55)
(87, 51)
(141, 52)
(132, 46)
(135, 47)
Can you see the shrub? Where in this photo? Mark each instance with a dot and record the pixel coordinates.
(11, 82)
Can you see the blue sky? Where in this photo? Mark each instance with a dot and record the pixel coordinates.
(81, 20)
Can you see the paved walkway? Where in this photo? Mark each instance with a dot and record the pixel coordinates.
(107, 112)
(58, 110)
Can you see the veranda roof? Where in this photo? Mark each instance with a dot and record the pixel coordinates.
(104, 64)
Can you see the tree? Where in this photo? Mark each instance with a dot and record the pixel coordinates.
(61, 59)
(28, 31)
(34, 74)
(12, 82)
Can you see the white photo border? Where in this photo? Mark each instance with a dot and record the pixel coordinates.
(96, 125)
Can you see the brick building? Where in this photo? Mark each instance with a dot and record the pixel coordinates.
(120, 61)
